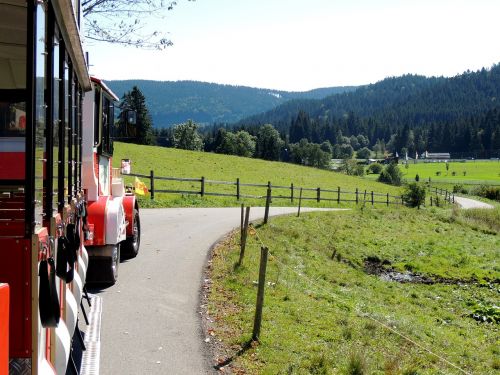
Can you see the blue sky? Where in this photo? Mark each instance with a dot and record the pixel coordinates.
(300, 45)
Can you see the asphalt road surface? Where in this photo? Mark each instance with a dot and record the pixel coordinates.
(150, 317)
(467, 203)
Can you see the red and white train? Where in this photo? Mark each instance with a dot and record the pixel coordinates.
(65, 217)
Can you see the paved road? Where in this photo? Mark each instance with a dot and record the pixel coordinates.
(150, 318)
(468, 203)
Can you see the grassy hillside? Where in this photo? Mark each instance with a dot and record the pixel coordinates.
(168, 162)
(373, 291)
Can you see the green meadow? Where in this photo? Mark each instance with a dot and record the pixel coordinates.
(169, 162)
(467, 172)
(367, 291)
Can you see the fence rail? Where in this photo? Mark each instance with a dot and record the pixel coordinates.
(446, 196)
(277, 191)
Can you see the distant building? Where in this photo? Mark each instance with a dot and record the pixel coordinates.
(436, 155)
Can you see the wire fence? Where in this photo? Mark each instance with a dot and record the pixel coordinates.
(314, 286)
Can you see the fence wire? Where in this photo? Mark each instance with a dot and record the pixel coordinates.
(254, 232)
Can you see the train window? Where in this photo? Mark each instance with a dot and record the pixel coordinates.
(79, 136)
(65, 127)
(108, 117)
(12, 118)
(97, 126)
(74, 136)
(71, 175)
(40, 112)
(56, 120)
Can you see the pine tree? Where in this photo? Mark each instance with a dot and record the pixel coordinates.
(136, 101)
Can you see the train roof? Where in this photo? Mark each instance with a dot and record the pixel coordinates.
(101, 83)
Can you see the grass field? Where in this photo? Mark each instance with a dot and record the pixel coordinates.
(189, 164)
(333, 304)
(469, 172)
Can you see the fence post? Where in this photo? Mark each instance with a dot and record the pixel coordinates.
(364, 197)
(244, 234)
(152, 183)
(300, 202)
(338, 195)
(238, 188)
(242, 221)
(260, 294)
(387, 199)
(202, 186)
(318, 194)
(431, 200)
(268, 203)
(373, 201)
(357, 197)
(291, 192)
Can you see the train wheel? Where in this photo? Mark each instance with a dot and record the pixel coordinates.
(130, 247)
(114, 264)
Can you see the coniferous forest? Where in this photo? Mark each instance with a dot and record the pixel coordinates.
(407, 115)
(460, 115)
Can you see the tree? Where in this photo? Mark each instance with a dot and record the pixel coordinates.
(364, 153)
(379, 148)
(227, 143)
(142, 133)
(245, 144)
(240, 143)
(391, 175)
(414, 195)
(269, 143)
(375, 168)
(326, 146)
(316, 157)
(186, 137)
(352, 168)
(343, 151)
(121, 22)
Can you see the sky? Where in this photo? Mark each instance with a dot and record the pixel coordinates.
(299, 45)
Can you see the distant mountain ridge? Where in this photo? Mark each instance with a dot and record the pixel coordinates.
(171, 103)
(411, 113)
(408, 100)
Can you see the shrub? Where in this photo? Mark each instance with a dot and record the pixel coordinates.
(460, 189)
(352, 168)
(391, 175)
(490, 192)
(414, 195)
(375, 168)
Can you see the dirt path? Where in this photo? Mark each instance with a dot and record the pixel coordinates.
(467, 203)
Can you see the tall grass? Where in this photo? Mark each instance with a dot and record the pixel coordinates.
(328, 314)
(487, 219)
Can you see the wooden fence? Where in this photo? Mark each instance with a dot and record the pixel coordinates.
(446, 196)
(199, 186)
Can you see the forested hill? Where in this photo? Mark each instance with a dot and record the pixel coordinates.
(172, 103)
(407, 100)
(411, 112)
